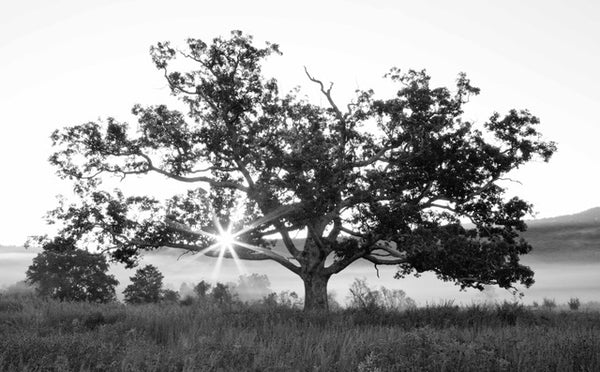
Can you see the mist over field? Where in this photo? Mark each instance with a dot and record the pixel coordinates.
(565, 259)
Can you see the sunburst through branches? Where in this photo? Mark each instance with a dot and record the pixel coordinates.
(226, 239)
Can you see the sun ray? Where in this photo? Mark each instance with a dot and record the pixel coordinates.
(217, 269)
(238, 262)
(262, 220)
(255, 248)
(225, 239)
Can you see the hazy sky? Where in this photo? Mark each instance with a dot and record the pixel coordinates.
(67, 62)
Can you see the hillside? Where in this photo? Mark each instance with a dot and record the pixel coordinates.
(573, 237)
(590, 216)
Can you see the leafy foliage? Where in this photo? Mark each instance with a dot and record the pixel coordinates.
(387, 180)
(68, 274)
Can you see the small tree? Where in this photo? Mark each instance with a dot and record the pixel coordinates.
(201, 289)
(221, 295)
(145, 287)
(252, 288)
(68, 274)
(396, 299)
(363, 297)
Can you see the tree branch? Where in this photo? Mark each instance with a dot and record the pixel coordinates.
(352, 232)
(327, 94)
(341, 117)
(210, 181)
(390, 251)
(287, 240)
(377, 156)
(379, 261)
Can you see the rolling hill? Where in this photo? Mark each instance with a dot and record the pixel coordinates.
(573, 237)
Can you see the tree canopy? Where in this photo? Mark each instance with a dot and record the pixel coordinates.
(387, 180)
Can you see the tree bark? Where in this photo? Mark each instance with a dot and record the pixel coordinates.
(315, 292)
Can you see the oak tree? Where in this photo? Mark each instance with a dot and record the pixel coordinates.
(387, 180)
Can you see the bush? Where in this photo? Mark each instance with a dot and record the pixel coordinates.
(549, 304)
(509, 312)
(574, 304)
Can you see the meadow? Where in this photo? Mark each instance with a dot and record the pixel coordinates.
(46, 335)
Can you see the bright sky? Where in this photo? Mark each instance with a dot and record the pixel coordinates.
(68, 62)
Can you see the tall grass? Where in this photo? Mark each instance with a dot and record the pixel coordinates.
(37, 335)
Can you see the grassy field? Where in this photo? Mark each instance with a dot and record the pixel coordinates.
(39, 335)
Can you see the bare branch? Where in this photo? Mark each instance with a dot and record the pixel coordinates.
(327, 94)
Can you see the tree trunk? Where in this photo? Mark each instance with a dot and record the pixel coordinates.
(315, 292)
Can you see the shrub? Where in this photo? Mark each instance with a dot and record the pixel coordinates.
(549, 304)
(574, 304)
(509, 312)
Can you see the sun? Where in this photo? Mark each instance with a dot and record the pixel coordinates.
(226, 239)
